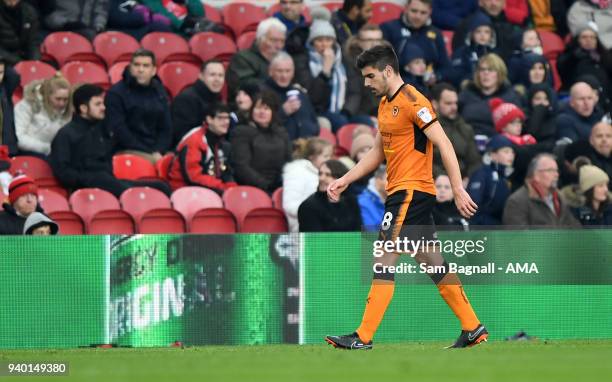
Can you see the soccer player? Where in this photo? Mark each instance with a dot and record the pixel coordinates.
(408, 129)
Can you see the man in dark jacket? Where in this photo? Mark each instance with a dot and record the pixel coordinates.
(447, 14)
(9, 80)
(18, 31)
(138, 111)
(576, 120)
(350, 18)
(86, 17)
(81, 152)
(296, 113)
(23, 200)
(191, 106)
(598, 149)
(290, 14)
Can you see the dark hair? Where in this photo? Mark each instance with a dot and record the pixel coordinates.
(216, 109)
(208, 62)
(349, 4)
(83, 94)
(589, 195)
(337, 168)
(269, 98)
(143, 53)
(439, 88)
(378, 57)
(2, 61)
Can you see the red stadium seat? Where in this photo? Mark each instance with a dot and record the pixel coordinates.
(209, 45)
(212, 13)
(168, 47)
(241, 199)
(448, 41)
(162, 220)
(241, 17)
(213, 220)
(245, 41)
(33, 70)
(33, 167)
(189, 200)
(115, 46)
(277, 198)
(132, 167)
(178, 75)
(333, 6)
(557, 83)
(345, 135)
(116, 71)
(69, 222)
(138, 200)
(163, 166)
(384, 11)
(51, 201)
(68, 46)
(276, 7)
(552, 44)
(327, 135)
(77, 72)
(268, 220)
(88, 201)
(111, 222)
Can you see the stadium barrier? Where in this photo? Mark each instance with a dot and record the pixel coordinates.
(154, 290)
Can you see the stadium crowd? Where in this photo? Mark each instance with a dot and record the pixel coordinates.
(522, 88)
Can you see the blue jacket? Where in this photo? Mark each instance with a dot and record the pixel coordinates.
(139, 116)
(575, 127)
(372, 209)
(447, 14)
(290, 24)
(428, 38)
(489, 189)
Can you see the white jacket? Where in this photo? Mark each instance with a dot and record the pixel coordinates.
(300, 180)
(35, 128)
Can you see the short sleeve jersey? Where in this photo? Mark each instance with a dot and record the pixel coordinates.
(403, 119)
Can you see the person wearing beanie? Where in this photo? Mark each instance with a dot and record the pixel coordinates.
(490, 186)
(508, 120)
(38, 224)
(413, 68)
(595, 208)
(23, 200)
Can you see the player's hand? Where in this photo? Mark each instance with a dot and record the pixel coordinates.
(336, 188)
(465, 205)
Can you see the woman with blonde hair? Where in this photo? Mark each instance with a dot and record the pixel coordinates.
(44, 109)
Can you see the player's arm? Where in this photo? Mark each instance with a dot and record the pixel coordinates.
(366, 165)
(464, 203)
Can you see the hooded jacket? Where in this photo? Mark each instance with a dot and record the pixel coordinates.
(489, 188)
(37, 219)
(18, 33)
(7, 88)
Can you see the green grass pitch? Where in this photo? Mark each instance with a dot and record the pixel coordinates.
(575, 361)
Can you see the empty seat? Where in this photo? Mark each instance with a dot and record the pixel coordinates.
(115, 46)
(241, 199)
(88, 201)
(213, 220)
(385, 11)
(189, 200)
(268, 220)
(164, 220)
(68, 46)
(30, 71)
(138, 200)
(345, 135)
(132, 167)
(212, 13)
(277, 198)
(327, 135)
(209, 45)
(178, 75)
(116, 71)
(51, 201)
(245, 41)
(168, 47)
(77, 72)
(69, 222)
(111, 222)
(241, 17)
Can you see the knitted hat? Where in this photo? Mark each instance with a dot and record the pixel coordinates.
(321, 28)
(411, 52)
(361, 141)
(21, 185)
(497, 142)
(5, 161)
(590, 176)
(504, 112)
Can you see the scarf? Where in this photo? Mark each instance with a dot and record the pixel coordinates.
(338, 77)
(539, 190)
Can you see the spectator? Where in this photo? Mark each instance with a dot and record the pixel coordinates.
(85, 17)
(517, 11)
(541, 115)
(135, 19)
(586, 55)
(44, 109)
(508, 119)
(296, 113)
(186, 16)
(203, 155)
(447, 14)
(490, 81)
(444, 101)
(300, 176)
(23, 200)
(594, 208)
(38, 224)
(598, 12)
(537, 202)
(138, 110)
(576, 119)
(18, 31)
(5, 175)
(489, 186)
(413, 68)
(251, 65)
(414, 26)
(319, 214)
(598, 149)
(549, 15)
(261, 148)
(243, 104)
(372, 200)
(9, 81)
(363, 141)
(191, 105)
(445, 211)
(81, 151)
(507, 34)
(480, 42)
(291, 15)
(530, 69)
(350, 18)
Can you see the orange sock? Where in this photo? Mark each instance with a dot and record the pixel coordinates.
(379, 298)
(456, 299)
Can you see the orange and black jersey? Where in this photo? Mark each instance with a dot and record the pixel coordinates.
(402, 119)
